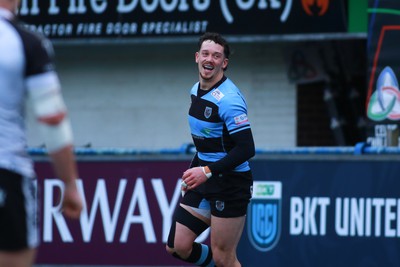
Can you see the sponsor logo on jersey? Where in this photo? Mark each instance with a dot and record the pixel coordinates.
(264, 215)
(206, 131)
(207, 112)
(241, 119)
(217, 94)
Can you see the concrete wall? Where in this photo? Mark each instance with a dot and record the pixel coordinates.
(137, 95)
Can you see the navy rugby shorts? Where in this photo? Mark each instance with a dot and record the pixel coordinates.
(18, 212)
(228, 194)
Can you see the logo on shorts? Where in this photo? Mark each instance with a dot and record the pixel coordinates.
(220, 205)
(264, 218)
(3, 196)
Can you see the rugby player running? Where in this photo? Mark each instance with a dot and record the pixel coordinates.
(217, 186)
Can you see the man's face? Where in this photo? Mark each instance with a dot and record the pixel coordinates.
(211, 60)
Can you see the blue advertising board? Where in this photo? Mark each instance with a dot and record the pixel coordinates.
(309, 208)
(323, 213)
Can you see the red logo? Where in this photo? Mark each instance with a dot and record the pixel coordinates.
(315, 7)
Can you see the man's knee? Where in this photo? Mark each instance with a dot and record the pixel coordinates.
(169, 250)
(183, 249)
(223, 258)
(178, 247)
(218, 257)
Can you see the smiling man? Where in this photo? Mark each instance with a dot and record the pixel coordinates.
(217, 186)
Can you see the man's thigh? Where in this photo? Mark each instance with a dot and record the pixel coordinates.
(226, 232)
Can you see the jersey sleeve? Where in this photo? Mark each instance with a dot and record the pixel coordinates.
(39, 54)
(243, 150)
(39, 67)
(233, 111)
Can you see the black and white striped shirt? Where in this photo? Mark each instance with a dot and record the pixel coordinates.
(23, 56)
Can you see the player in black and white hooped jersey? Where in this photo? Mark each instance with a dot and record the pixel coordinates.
(27, 73)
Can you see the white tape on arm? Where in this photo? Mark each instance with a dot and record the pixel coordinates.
(57, 136)
(44, 92)
(45, 95)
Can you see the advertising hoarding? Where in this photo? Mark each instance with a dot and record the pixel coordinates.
(136, 19)
(383, 93)
(303, 213)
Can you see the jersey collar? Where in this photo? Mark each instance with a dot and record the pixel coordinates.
(215, 85)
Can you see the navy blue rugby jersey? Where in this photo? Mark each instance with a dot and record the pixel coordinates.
(214, 117)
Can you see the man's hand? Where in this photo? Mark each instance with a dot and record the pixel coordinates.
(193, 177)
(72, 202)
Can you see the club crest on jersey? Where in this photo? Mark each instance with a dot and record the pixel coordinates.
(217, 94)
(241, 119)
(264, 215)
(207, 112)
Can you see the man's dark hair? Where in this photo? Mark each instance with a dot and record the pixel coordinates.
(218, 39)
